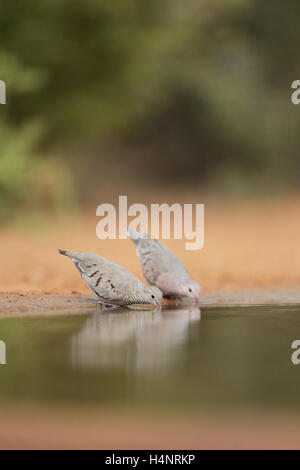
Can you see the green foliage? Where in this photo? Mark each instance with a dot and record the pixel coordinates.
(27, 181)
(200, 90)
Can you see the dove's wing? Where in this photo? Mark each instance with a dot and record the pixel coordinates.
(108, 280)
(156, 259)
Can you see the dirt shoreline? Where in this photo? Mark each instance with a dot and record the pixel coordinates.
(48, 303)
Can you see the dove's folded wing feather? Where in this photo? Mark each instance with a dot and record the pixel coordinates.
(103, 282)
(157, 259)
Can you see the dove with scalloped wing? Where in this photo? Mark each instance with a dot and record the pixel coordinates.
(111, 283)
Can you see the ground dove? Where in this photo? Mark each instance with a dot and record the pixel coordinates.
(113, 284)
(162, 268)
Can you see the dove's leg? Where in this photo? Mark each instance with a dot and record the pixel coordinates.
(101, 302)
(106, 305)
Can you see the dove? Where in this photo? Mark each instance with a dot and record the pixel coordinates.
(113, 284)
(162, 268)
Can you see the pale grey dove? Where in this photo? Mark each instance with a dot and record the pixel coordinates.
(162, 268)
(113, 284)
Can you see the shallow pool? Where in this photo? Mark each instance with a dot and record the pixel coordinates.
(177, 358)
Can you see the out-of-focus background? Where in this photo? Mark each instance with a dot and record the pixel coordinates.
(146, 94)
(162, 101)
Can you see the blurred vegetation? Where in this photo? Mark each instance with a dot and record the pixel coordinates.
(186, 93)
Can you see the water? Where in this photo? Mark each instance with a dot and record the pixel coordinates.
(219, 358)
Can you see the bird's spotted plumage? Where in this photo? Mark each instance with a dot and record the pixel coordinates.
(112, 284)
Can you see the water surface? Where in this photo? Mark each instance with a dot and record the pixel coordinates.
(178, 358)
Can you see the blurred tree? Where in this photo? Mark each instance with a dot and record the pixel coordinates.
(24, 176)
(200, 91)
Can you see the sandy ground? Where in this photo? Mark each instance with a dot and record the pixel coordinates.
(34, 304)
(25, 428)
(250, 245)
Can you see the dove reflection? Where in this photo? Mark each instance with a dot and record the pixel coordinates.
(137, 340)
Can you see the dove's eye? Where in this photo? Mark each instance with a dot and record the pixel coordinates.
(190, 290)
(152, 296)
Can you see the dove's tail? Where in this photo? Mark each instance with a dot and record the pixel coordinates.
(135, 235)
(63, 252)
(66, 253)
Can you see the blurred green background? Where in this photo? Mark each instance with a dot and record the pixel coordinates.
(158, 93)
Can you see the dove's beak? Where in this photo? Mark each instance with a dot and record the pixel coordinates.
(158, 305)
(197, 300)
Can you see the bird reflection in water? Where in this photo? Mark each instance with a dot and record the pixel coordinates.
(133, 339)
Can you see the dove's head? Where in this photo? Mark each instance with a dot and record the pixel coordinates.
(190, 289)
(151, 295)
